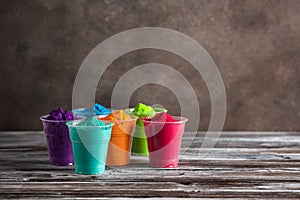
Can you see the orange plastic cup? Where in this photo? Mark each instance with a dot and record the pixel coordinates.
(119, 148)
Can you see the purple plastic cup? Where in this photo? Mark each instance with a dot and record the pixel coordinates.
(58, 140)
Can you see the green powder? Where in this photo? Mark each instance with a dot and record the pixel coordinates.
(142, 110)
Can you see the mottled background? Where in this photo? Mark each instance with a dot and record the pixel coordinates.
(255, 44)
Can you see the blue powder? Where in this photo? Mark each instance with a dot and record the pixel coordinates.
(100, 110)
(97, 109)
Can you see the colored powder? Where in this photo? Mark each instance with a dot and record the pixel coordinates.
(163, 117)
(57, 133)
(120, 119)
(117, 115)
(91, 122)
(142, 110)
(60, 115)
(123, 123)
(100, 110)
(96, 109)
(164, 135)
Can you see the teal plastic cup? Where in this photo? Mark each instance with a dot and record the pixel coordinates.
(89, 144)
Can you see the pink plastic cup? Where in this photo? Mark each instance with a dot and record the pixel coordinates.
(164, 141)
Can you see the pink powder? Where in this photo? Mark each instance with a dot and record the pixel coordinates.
(163, 117)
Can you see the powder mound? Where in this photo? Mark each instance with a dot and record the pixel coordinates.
(117, 115)
(143, 110)
(96, 109)
(99, 109)
(163, 117)
(123, 123)
(61, 115)
(91, 122)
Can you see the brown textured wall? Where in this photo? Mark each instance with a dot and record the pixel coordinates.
(256, 45)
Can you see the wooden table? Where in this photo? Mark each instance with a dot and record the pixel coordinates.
(242, 165)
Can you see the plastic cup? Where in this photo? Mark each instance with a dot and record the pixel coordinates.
(90, 145)
(88, 112)
(119, 148)
(139, 141)
(164, 141)
(58, 140)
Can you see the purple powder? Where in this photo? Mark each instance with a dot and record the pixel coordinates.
(61, 115)
(58, 139)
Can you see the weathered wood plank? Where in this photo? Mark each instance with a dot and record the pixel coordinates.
(242, 165)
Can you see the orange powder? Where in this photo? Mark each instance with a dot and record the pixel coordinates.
(116, 116)
(119, 148)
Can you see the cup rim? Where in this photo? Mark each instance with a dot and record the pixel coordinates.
(133, 118)
(83, 109)
(130, 110)
(44, 119)
(108, 124)
(180, 121)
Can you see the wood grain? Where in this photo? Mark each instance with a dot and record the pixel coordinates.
(242, 165)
